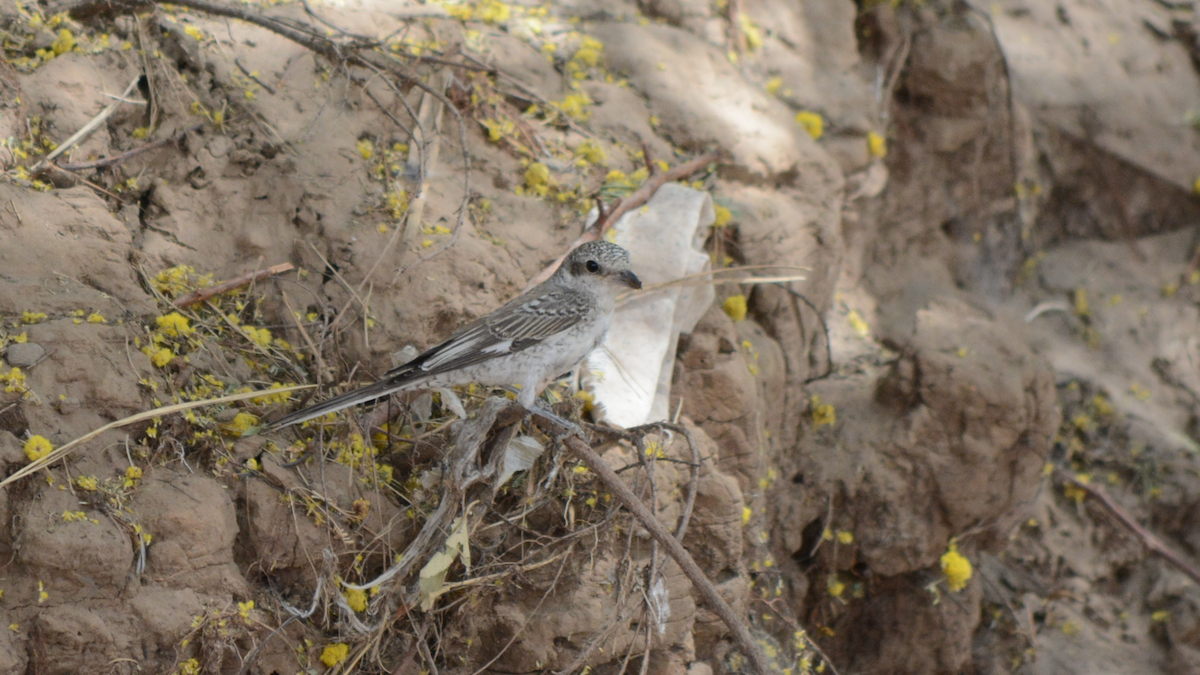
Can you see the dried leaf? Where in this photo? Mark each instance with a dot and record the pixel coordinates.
(522, 452)
(433, 574)
(453, 402)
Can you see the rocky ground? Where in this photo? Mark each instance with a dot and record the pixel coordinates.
(901, 454)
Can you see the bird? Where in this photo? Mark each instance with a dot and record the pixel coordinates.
(527, 342)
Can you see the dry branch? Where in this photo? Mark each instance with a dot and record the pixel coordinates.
(198, 296)
(88, 128)
(1152, 542)
(113, 161)
(626, 204)
(658, 531)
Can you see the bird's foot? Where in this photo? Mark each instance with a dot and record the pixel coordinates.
(564, 428)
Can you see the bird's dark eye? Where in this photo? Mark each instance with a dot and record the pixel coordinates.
(592, 266)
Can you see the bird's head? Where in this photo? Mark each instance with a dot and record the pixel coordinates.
(600, 262)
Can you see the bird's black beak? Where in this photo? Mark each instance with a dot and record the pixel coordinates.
(630, 279)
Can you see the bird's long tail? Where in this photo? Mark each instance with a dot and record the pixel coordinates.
(371, 392)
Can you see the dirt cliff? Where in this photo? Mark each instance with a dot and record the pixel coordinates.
(893, 465)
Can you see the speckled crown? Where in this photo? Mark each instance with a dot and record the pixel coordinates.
(603, 252)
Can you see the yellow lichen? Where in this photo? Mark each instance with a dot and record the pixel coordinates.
(493, 11)
(876, 145)
(37, 447)
(357, 599)
(173, 281)
(64, 43)
(956, 568)
(575, 106)
(366, 148)
(88, 483)
(14, 381)
(812, 122)
(334, 654)
(753, 34)
(33, 317)
(268, 399)
(835, 586)
(858, 323)
(589, 52)
(722, 216)
(537, 179)
(735, 307)
(1072, 491)
(242, 422)
(174, 325)
(260, 336)
(159, 357)
(590, 152)
(822, 413)
(1082, 307)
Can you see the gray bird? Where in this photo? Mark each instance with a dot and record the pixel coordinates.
(527, 342)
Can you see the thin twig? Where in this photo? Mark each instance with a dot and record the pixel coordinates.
(824, 328)
(113, 161)
(200, 295)
(625, 205)
(251, 74)
(797, 628)
(1152, 542)
(307, 338)
(88, 128)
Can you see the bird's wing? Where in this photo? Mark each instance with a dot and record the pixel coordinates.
(518, 325)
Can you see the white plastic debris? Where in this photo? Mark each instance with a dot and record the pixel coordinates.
(630, 374)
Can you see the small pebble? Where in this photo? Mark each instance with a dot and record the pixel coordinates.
(404, 355)
(24, 354)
